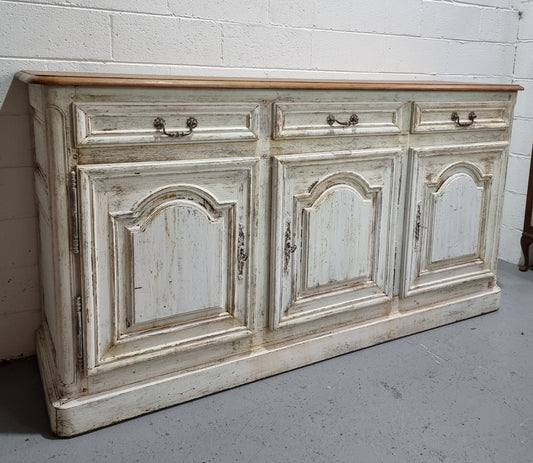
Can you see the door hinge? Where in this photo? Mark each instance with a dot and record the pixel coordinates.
(79, 327)
(74, 214)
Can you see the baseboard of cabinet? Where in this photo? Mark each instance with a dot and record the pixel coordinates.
(71, 416)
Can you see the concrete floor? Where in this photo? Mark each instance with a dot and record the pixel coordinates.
(459, 393)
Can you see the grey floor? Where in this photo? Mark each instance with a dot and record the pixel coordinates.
(459, 393)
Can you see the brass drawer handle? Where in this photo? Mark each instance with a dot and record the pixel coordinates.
(354, 119)
(159, 124)
(471, 117)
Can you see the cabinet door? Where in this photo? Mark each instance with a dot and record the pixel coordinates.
(165, 250)
(453, 215)
(334, 220)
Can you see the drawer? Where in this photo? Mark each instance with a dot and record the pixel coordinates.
(303, 120)
(132, 123)
(437, 116)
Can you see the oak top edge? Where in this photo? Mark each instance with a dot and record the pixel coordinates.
(140, 80)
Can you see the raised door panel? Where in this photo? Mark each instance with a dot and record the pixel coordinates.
(456, 223)
(353, 230)
(165, 251)
(333, 228)
(175, 256)
(452, 215)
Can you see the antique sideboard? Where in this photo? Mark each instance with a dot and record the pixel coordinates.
(197, 234)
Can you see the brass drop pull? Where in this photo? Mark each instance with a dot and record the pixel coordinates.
(471, 117)
(159, 124)
(354, 119)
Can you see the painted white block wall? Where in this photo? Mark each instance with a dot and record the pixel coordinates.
(465, 40)
(520, 156)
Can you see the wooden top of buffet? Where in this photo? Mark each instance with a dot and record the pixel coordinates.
(138, 80)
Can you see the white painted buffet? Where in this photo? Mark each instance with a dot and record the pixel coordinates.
(198, 234)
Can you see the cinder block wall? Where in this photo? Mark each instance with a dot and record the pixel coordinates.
(466, 40)
(520, 156)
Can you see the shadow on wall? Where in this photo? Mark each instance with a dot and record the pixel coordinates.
(22, 404)
(19, 278)
(16, 99)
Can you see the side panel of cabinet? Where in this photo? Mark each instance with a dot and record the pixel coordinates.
(165, 250)
(453, 215)
(334, 219)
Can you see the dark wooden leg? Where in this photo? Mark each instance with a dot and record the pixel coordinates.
(525, 241)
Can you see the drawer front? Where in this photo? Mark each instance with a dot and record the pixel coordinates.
(130, 123)
(437, 117)
(308, 120)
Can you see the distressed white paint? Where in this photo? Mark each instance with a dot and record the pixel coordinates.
(159, 242)
(337, 229)
(431, 117)
(179, 263)
(83, 414)
(457, 218)
(455, 202)
(386, 39)
(211, 263)
(119, 123)
(338, 209)
(300, 120)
